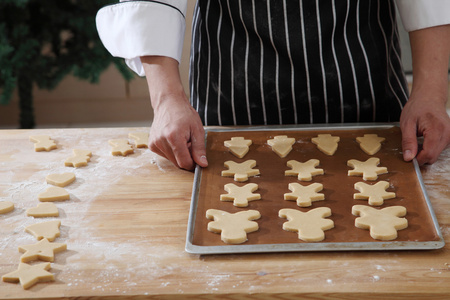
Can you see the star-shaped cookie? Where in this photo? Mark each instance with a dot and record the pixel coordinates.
(240, 195)
(370, 143)
(310, 225)
(326, 143)
(240, 171)
(233, 227)
(376, 194)
(29, 275)
(382, 223)
(304, 195)
(42, 250)
(368, 169)
(281, 145)
(238, 146)
(303, 171)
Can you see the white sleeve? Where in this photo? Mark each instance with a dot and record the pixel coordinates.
(132, 29)
(419, 14)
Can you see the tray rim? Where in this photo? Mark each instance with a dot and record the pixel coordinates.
(307, 247)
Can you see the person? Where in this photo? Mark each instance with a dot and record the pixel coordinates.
(286, 62)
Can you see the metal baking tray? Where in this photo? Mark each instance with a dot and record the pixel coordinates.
(423, 231)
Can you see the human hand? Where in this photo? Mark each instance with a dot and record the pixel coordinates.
(177, 134)
(428, 119)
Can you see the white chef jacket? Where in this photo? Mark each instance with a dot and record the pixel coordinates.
(137, 28)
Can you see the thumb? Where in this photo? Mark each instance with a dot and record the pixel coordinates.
(409, 142)
(198, 148)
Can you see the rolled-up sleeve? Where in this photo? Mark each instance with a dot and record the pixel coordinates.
(132, 29)
(420, 14)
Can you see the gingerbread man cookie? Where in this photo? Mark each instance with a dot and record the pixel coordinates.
(233, 228)
(304, 171)
(326, 143)
(376, 194)
(309, 225)
(370, 143)
(238, 146)
(42, 143)
(304, 195)
(368, 169)
(382, 223)
(29, 275)
(240, 195)
(120, 147)
(80, 158)
(240, 171)
(281, 145)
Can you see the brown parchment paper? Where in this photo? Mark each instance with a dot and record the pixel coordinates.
(338, 186)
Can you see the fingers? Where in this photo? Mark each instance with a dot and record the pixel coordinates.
(434, 142)
(173, 148)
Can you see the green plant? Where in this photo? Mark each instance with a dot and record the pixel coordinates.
(43, 41)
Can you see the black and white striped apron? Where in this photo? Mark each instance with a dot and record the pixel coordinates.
(256, 62)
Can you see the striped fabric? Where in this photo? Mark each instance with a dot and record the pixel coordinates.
(256, 62)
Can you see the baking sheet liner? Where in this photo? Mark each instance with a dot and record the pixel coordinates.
(404, 178)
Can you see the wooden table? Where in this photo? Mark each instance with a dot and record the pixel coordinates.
(125, 229)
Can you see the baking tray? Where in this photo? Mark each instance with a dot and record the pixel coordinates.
(405, 180)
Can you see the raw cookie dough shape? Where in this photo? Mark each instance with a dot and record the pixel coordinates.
(6, 207)
(120, 147)
(29, 275)
(233, 228)
(43, 210)
(42, 143)
(80, 158)
(303, 171)
(368, 169)
(310, 225)
(238, 146)
(48, 230)
(304, 195)
(281, 145)
(42, 250)
(383, 223)
(376, 194)
(60, 180)
(54, 193)
(370, 143)
(326, 143)
(240, 171)
(240, 195)
(140, 139)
